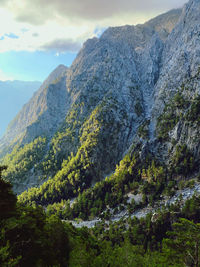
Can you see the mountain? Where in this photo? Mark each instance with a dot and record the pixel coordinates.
(177, 90)
(131, 98)
(111, 143)
(13, 95)
(43, 106)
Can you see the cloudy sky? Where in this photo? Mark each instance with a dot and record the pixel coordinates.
(37, 35)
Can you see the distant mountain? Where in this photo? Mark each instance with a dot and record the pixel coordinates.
(40, 108)
(13, 95)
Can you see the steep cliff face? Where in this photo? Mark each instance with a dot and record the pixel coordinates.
(114, 77)
(111, 99)
(164, 24)
(177, 91)
(42, 114)
(180, 59)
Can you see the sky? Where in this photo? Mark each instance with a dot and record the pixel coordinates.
(38, 35)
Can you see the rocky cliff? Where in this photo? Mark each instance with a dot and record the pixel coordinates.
(41, 115)
(176, 94)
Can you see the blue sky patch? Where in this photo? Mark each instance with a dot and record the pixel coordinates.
(11, 35)
(30, 66)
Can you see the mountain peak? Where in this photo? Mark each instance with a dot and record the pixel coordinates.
(61, 67)
(51, 95)
(191, 10)
(58, 72)
(165, 23)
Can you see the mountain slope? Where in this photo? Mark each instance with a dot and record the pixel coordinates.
(45, 104)
(110, 101)
(179, 85)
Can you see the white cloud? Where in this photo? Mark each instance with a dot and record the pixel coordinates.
(37, 37)
(40, 11)
(64, 25)
(62, 45)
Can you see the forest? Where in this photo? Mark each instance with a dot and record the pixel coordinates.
(32, 237)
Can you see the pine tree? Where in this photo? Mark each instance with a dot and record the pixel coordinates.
(7, 197)
(184, 245)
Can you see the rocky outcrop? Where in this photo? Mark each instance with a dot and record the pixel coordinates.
(180, 73)
(42, 114)
(181, 57)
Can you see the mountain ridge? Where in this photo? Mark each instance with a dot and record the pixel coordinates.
(31, 111)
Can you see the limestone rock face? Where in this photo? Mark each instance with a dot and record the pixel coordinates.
(181, 54)
(42, 114)
(180, 71)
(113, 95)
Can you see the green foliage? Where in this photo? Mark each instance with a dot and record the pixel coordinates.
(166, 123)
(137, 242)
(111, 193)
(108, 193)
(27, 236)
(182, 160)
(93, 201)
(191, 210)
(6, 259)
(184, 245)
(23, 159)
(179, 101)
(125, 255)
(155, 178)
(171, 115)
(154, 173)
(143, 130)
(33, 239)
(138, 109)
(194, 111)
(74, 176)
(7, 198)
(64, 141)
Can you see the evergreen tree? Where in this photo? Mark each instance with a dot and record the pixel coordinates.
(7, 197)
(184, 245)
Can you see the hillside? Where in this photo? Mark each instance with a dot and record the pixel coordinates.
(36, 107)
